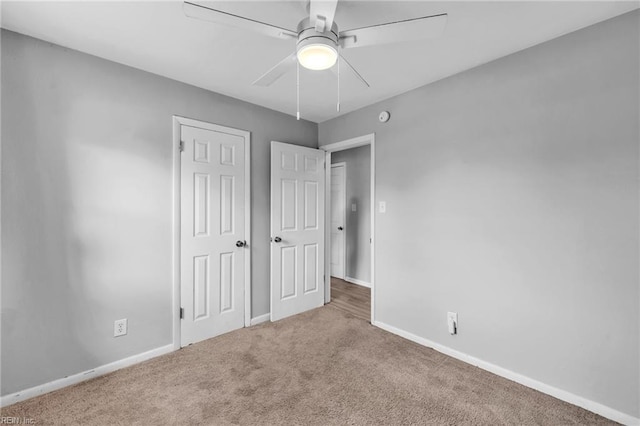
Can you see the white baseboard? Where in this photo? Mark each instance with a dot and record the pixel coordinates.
(592, 406)
(357, 281)
(81, 377)
(260, 319)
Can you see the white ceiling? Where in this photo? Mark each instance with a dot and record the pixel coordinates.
(157, 37)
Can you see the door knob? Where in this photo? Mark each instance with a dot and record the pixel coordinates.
(277, 239)
(241, 243)
(340, 228)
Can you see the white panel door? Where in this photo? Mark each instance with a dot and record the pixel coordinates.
(338, 214)
(297, 229)
(212, 233)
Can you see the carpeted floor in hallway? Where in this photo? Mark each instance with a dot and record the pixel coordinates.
(323, 367)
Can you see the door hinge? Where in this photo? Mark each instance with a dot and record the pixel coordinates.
(181, 146)
(181, 313)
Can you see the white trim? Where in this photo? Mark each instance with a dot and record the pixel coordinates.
(247, 230)
(344, 220)
(373, 227)
(261, 318)
(369, 139)
(357, 282)
(563, 395)
(176, 233)
(81, 377)
(327, 228)
(349, 143)
(177, 123)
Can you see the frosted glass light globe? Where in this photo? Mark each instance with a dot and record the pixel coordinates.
(317, 56)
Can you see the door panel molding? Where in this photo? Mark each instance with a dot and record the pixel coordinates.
(203, 154)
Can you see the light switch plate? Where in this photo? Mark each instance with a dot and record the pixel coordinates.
(383, 206)
(354, 207)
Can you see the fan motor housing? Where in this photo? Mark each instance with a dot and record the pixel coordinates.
(307, 34)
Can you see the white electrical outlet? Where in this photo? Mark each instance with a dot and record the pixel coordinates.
(452, 322)
(120, 327)
(354, 207)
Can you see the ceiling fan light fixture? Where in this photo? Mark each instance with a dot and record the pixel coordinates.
(317, 56)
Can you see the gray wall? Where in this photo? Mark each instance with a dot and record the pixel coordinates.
(512, 199)
(358, 226)
(87, 205)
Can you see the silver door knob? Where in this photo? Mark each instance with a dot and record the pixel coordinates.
(277, 239)
(241, 243)
(340, 228)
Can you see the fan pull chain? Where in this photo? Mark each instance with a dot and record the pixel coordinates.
(297, 90)
(338, 105)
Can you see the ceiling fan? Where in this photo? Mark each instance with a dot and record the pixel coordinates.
(318, 39)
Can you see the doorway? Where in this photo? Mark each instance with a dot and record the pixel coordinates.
(349, 280)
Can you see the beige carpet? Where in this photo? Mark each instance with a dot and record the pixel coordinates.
(319, 368)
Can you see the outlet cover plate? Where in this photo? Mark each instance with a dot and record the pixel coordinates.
(120, 327)
(452, 322)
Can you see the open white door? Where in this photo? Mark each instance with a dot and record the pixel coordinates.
(338, 219)
(297, 229)
(212, 248)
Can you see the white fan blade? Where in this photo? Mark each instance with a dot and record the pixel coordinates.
(394, 32)
(321, 13)
(204, 13)
(280, 69)
(352, 69)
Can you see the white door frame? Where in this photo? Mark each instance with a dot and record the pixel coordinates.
(344, 220)
(177, 123)
(341, 146)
